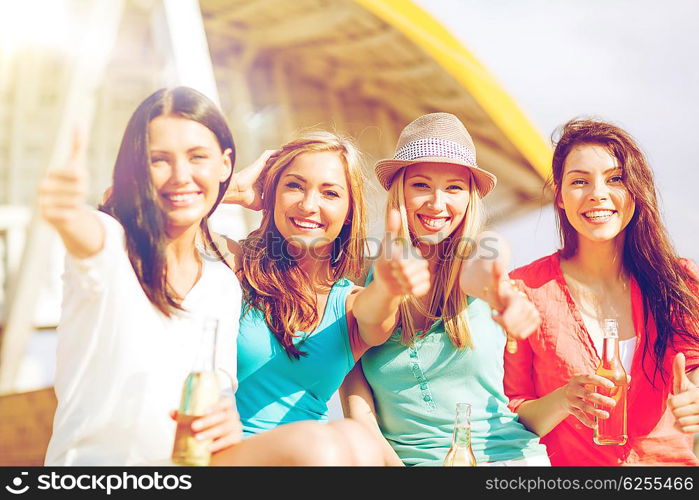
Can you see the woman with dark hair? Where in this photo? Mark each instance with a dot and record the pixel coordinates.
(616, 262)
(137, 285)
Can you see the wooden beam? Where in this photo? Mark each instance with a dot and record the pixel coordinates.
(86, 72)
(238, 12)
(336, 109)
(303, 28)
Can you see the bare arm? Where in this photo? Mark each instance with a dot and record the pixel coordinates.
(376, 311)
(62, 195)
(576, 398)
(358, 404)
(542, 415)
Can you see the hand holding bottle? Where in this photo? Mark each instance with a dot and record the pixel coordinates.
(684, 400)
(244, 188)
(399, 270)
(221, 424)
(579, 398)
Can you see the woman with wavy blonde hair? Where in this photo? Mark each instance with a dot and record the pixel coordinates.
(298, 333)
(446, 300)
(445, 348)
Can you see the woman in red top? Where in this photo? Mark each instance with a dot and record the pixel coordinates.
(616, 262)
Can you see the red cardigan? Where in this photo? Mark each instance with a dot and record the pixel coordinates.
(562, 348)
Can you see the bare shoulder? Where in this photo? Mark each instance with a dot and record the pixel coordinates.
(351, 297)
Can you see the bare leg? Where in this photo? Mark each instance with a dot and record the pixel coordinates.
(338, 443)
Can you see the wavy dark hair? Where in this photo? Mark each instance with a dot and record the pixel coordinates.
(133, 199)
(271, 278)
(669, 289)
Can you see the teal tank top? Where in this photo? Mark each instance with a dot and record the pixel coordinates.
(274, 389)
(416, 390)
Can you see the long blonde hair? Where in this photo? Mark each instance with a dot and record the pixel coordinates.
(446, 299)
(271, 279)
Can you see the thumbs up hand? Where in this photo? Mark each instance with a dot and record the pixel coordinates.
(684, 400)
(512, 309)
(63, 191)
(399, 270)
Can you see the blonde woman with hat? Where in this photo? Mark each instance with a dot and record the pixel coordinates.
(447, 346)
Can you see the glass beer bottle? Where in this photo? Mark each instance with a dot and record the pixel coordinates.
(200, 391)
(460, 453)
(613, 429)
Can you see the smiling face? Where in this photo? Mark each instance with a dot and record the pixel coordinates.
(593, 195)
(436, 199)
(312, 200)
(187, 167)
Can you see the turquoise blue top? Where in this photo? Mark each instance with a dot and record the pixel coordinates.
(274, 389)
(416, 390)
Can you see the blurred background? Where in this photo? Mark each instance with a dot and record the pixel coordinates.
(512, 70)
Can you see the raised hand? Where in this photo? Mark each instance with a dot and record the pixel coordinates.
(579, 398)
(244, 189)
(63, 191)
(399, 270)
(685, 397)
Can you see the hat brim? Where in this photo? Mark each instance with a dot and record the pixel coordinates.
(386, 171)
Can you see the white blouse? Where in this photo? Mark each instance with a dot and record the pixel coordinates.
(121, 363)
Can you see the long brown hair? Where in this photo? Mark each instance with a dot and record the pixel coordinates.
(271, 279)
(446, 301)
(648, 254)
(133, 199)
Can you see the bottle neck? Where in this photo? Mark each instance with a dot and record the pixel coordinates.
(462, 427)
(205, 357)
(610, 351)
(461, 437)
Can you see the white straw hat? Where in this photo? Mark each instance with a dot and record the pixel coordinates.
(435, 138)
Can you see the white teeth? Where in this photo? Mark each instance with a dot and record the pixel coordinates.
(598, 214)
(306, 224)
(181, 197)
(435, 223)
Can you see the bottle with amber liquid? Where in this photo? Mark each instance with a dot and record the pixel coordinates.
(200, 391)
(460, 454)
(613, 429)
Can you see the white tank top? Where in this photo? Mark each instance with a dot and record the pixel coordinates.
(626, 350)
